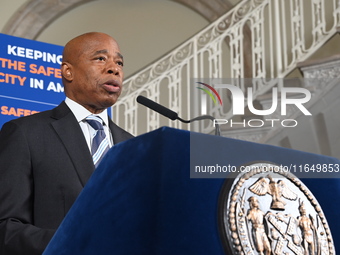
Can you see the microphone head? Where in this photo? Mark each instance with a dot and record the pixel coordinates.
(157, 107)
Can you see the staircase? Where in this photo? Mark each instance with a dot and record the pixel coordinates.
(258, 40)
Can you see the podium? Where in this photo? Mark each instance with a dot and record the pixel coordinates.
(146, 198)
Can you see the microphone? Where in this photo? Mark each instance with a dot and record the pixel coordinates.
(171, 114)
(157, 107)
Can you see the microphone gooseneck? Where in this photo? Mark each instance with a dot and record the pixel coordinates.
(173, 115)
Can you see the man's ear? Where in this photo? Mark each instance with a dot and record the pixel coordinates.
(67, 71)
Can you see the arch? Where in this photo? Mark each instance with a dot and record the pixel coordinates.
(35, 15)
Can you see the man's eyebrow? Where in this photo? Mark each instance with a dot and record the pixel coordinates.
(120, 55)
(106, 51)
(100, 52)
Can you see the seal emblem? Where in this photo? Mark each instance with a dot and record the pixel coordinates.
(266, 210)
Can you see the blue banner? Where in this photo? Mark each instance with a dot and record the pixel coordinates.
(30, 77)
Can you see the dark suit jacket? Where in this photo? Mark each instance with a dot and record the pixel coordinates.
(44, 164)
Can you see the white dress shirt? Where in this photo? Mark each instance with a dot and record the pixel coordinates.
(80, 112)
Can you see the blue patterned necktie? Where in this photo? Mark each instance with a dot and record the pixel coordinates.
(100, 144)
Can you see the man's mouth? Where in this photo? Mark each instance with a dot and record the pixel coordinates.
(112, 86)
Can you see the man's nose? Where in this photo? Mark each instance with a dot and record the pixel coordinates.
(113, 69)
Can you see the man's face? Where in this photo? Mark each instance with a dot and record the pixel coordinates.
(96, 68)
(254, 203)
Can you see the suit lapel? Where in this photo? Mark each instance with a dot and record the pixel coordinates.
(73, 139)
(117, 133)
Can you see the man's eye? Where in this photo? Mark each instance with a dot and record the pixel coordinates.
(101, 58)
(120, 63)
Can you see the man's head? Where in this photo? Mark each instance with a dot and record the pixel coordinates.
(302, 208)
(254, 202)
(92, 71)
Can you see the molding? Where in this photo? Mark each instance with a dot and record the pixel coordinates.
(209, 9)
(35, 15)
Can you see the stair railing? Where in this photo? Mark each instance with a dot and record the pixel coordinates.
(259, 39)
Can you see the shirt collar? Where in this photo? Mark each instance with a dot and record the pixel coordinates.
(80, 112)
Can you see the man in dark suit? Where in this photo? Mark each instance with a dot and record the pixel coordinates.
(45, 159)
